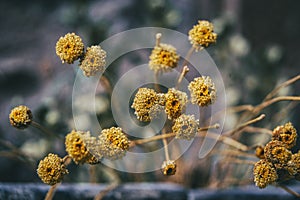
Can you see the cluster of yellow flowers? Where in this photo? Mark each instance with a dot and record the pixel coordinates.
(112, 143)
(277, 161)
(71, 48)
(148, 104)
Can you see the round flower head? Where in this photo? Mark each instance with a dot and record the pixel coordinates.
(202, 35)
(293, 166)
(203, 91)
(185, 127)
(77, 149)
(168, 167)
(51, 169)
(277, 153)
(175, 103)
(113, 144)
(20, 117)
(93, 61)
(163, 57)
(264, 173)
(143, 101)
(286, 134)
(69, 48)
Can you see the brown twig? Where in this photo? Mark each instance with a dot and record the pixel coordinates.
(51, 191)
(231, 132)
(296, 194)
(184, 71)
(284, 84)
(102, 193)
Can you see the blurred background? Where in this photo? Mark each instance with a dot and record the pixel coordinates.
(257, 48)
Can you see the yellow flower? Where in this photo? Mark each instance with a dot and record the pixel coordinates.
(185, 127)
(77, 149)
(168, 167)
(113, 144)
(51, 169)
(93, 61)
(202, 35)
(203, 91)
(175, 103)
(143, 101)
(286, 134)
(69, 48)
(277, 153)
(163, 58)
(264, 173)
(20, 117)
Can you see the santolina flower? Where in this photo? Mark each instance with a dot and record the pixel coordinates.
(203, 91)
(277, 153)
(185, 127)
(163, 58)
(93, 61)
(294, 164)
(168, 167)
(20, 117)
(175, 103)
(286, 134)
(113, 143)
(69, 48)
(264, 173)
(202, 34)
(51, 169)
(77, 149)
(143, 101)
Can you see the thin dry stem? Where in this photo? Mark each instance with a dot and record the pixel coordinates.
(157, 37)
(166, 135)
(240, 127)
(51, 191)
(43, 129)
(233, 153)
(184, 71)
(267, 103)
(282, 85)
(296, 194)
(188, 55)
(167, 156)
(226, 140)
(102, 193)
(252, 129)
(93, 174)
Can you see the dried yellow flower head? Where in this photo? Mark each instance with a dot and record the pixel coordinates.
(264, 173)
(77, 149)
(113, 143)
(20, 117)
(259, 152)
(293, 166)
(202, 35)
(163, 58)
(203, 91)
(143, 101)
(175, 103)
(93, 61)
(69, 48)
(185, 127)
(168, 167)
(286, 134)
(277, 153)
(51, 169)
